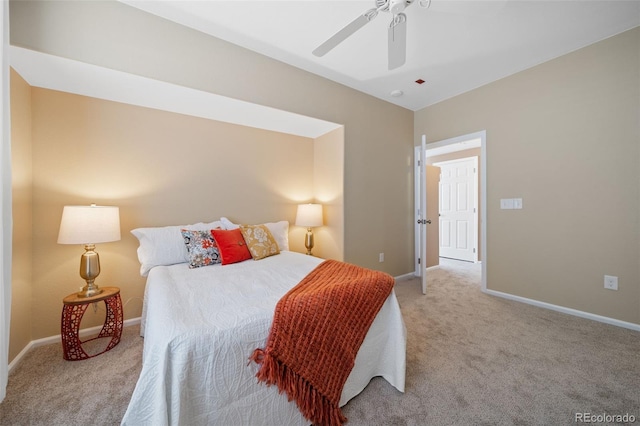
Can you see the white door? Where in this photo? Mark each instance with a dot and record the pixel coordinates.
(420, 198)
(459, 209)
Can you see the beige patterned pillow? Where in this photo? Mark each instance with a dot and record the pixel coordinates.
(259, 240)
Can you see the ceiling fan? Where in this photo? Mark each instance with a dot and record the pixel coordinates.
(397, 33)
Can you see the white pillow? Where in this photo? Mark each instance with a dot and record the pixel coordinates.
(279, 230)
(227, 224)
(165, 245)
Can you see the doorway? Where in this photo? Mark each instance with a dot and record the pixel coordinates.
(458, 208)
(455, 145)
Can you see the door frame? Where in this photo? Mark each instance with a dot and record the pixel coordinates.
(460, 141)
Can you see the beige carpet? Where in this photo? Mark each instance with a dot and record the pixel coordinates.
(482, 360)
(472, 359)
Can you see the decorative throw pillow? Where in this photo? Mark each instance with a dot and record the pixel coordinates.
(162, 246)
(279, 230)
(201, 248)
(259, 240)
(231, 245)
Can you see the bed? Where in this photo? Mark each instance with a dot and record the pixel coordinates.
(200, 325)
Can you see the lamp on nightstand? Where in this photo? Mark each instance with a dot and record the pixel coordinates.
(309, 215)
(89, 225)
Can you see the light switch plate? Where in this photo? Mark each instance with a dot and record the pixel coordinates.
(517, 203)
(506, 203)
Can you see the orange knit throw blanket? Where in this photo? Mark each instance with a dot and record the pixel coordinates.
(317, 329)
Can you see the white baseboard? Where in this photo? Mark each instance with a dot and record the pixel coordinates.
(57, 339)
(412, 275)
(405, 276)
(564, 310)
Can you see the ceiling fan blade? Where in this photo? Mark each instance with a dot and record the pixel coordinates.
(344, 33)
(397, 41)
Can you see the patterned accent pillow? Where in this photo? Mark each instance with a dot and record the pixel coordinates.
(260, 241)
(201, 248)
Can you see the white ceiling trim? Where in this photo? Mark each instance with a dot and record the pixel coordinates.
(66, 75)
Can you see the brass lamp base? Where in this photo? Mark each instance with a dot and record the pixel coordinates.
(90, 291)
(89, 270)
(308, 241)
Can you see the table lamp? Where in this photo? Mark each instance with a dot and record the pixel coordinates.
(309, 215)
(89, 225)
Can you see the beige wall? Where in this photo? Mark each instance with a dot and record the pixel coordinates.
(378, 141)
(328, 187)
(93, 151)
(573, 120)
(22, 261)
(161, 169)
(564, 136)
(80, 149)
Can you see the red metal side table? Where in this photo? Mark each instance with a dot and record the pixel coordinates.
(72, 313)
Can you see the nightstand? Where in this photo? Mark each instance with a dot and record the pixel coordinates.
(72, 313)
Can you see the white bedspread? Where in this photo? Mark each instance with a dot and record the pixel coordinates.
(201, 325)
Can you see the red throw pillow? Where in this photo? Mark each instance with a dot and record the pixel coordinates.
(231, 245)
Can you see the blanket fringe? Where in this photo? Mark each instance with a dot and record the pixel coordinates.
(312, 404)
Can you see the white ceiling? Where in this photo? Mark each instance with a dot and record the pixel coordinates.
(455, 46)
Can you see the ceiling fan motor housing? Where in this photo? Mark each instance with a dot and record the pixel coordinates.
(397, 6)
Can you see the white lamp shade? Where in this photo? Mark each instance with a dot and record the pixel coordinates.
(309, 215)
(89, 225)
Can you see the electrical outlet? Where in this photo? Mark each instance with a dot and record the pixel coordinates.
(381, 257)
(610, 282)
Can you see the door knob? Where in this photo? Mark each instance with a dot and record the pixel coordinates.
(424, 222)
